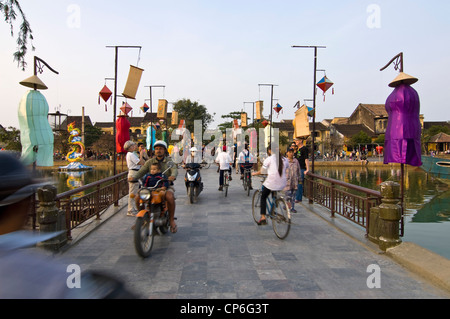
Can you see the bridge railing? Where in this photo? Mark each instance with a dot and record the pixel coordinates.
(91, 200)
(350, 201)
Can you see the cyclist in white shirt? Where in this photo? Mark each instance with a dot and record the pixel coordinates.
(275, 166)
(223, 160)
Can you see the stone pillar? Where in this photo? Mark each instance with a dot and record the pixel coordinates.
(50, 218)
(374, 227)
(390, 214)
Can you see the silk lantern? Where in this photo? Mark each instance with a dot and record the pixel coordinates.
(259, 110)
(132, 85)
(123, 133)
(162, 109)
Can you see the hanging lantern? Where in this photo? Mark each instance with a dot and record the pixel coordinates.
(235, 124)
(123, 133)
(145, 108)
(134, 78)
(174, 118)
(259, 110)
(301, 123)
(105, 94)
(126, 108)
(244, 120)
(265, 123)
(278, 109)
(325, 84)
(162, 109)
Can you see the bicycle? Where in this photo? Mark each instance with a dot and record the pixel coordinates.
(277, 210)
(246, 181)
(226, 182)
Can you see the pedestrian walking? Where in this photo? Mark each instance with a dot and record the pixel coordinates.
(134, 163)
(293, 176)
(302, 156)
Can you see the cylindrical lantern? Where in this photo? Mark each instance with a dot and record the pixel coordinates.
(259, 110)
(301, 123)
(123, 133)
(244, 120)
(174, 118)
(134, 78)
(162, 109)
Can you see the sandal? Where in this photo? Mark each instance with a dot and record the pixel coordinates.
(262, 222)
(173, 229)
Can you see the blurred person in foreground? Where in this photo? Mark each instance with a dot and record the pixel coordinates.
(27, 274)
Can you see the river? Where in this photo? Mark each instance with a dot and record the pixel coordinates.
(427, 201)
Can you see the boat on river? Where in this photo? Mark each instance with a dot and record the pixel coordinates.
(438, 167)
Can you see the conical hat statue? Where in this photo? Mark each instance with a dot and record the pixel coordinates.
(403, 78)
(34, 82)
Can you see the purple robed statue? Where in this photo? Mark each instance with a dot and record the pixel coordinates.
(402, 139)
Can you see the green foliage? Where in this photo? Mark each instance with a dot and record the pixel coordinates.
(192, 111)
(380, 139)
(10, 138)
(360, 138)
(8, 8)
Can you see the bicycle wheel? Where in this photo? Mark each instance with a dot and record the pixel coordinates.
(281, 221)
(225, 185)
(256, 206)
(144, 235)
(248, 185)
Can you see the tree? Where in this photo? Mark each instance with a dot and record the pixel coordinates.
(360, 138)
(233, 116)
(8, 8)
(11, 139)
(192, 111)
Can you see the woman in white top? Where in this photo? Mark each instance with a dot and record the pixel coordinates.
(134, 164)
(275, 166)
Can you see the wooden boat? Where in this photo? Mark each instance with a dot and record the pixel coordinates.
(439, 167)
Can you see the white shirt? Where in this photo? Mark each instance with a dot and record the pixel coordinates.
(133, 161)
(273, 181)
(224, 160)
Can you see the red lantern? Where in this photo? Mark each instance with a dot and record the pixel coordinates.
(145, 108)
(278, 109)
(105, 94)
(123, 133)
(265, 123)
(325, 84)
(126, 108)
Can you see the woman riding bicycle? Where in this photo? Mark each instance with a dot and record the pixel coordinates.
(275, 166)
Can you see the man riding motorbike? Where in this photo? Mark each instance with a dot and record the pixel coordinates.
(162, 157)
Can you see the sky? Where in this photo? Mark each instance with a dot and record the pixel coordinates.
(218, 52)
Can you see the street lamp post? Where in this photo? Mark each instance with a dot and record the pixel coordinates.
(151, 113)
(315, 47)
(271, 108)
(116, 50)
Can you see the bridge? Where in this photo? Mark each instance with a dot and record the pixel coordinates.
(219, 252)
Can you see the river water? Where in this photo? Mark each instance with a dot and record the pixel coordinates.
(427, 201)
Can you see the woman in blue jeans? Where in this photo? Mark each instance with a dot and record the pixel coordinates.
(275, 166)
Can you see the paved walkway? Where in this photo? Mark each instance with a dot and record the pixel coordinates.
(219, 252)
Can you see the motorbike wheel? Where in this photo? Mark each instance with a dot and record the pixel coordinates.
(164, 229)
(144, 235)
(191, 193)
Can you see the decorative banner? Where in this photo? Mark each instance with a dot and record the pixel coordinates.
(174, 118)
(244, 120)
(301, 123)
(134, 78)
(162, 109)
(259, 110)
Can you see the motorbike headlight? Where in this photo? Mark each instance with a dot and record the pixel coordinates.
(192, 178)
(145, 194)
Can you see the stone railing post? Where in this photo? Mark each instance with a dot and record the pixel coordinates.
(390, 214)
(50, 218)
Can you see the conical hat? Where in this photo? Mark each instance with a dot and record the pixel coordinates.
(403, 78)
(33, 81)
